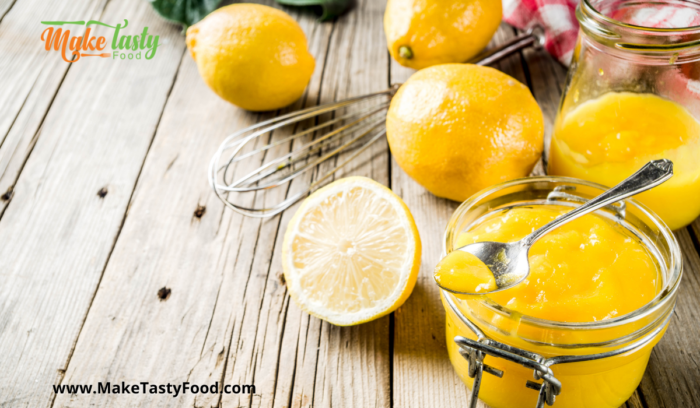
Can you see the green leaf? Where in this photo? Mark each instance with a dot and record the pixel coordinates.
(185, 12)
(331, 8)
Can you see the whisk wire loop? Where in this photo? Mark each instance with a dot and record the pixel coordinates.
(349, 128)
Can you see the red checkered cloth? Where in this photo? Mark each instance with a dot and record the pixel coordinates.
(557, 17)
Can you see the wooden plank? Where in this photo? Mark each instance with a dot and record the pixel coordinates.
(245, 335)
(5, 6)
(423, 375)
(673, 374)
(30, 77)
(21, 137)
(24, 56)
(56, 230)
(635, 401)
(228, 315)
(546, 78)
(131, 334)
(513, 64)
(320, 364)
(251, 331)
(217, 283)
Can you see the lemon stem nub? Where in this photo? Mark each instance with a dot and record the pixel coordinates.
(405, 52)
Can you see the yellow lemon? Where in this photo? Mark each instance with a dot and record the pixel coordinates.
(459, 128)
(254, 56)
(351, 252)
(421, 33)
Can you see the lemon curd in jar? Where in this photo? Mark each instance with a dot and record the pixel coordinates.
(593, 269)
(607, 139)
(589, 269)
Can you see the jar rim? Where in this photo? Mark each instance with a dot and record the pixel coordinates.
(589, 7)
(662, 298)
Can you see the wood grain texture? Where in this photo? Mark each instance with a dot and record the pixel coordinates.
(245, 340)
(5, 6)
(635, 401)
(352, 363)
(546, 79)
(131, 334)
(319, 364)
(216, 288)
(228, 304)
(56, 230)
(30, 77)
(24, 56)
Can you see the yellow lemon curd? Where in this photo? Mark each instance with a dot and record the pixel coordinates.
(589, 270)
(463, 272)
(607, 139)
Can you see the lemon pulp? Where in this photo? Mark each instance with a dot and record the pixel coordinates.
(352, 252)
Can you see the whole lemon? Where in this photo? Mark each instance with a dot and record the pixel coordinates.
(459, 128)
(421, 33)
(254, 56)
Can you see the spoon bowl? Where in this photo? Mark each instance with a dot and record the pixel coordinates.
(507, 262)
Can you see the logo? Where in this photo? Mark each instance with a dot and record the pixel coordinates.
(123, 47)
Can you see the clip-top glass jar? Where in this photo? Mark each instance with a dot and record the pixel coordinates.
(498, 352)
(633, 95)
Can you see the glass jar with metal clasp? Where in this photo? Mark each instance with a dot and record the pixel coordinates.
(512, 360)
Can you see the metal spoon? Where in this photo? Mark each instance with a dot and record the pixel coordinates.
(509, 261)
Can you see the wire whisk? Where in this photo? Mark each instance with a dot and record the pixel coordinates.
(354, 130)
(271, 154)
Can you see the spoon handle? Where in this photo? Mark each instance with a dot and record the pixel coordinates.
(651, 175)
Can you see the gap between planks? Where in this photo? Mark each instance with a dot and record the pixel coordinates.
(46, 358)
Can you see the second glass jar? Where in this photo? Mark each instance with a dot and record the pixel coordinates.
(633, 95)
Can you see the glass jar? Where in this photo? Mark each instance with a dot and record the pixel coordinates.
(633, 95)
(593, 364)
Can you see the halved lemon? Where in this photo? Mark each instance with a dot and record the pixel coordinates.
(351, 253)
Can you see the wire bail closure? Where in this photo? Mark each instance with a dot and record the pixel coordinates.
(474, 351)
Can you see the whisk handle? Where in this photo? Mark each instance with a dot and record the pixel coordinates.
(533, 37)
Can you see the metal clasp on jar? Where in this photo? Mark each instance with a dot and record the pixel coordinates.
(474, 351)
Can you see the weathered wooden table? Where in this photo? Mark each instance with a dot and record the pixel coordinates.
(105, 201)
